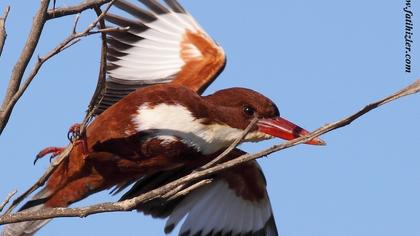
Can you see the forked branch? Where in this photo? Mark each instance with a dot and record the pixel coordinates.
(72, 10)
(69, 41)
(20, 67)
(16, 89)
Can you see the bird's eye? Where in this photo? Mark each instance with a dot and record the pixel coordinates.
(249, 111)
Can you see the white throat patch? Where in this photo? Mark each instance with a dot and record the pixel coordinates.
(169, 122)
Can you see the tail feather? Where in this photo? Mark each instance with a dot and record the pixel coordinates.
(29, 228)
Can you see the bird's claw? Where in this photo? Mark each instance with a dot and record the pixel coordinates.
(74, 132)
(54, 151)
(73, 135)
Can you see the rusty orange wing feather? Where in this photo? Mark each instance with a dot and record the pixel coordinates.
(164, 44)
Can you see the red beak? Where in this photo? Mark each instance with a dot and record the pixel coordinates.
(282, 128)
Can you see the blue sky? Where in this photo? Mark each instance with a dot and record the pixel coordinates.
(318, 60)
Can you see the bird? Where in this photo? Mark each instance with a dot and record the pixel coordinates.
(153, 122)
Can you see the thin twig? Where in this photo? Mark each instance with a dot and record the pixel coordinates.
(72, 10)
(20, 67)
(15, 96)
(219, 157)
(70, 44)
(232, 146)
(173, 191)
(188, 190)
(132, 203)
(108, 30)
(3, 34)
(101, 31)
(40, 182)
(9, 196)
(76, 22)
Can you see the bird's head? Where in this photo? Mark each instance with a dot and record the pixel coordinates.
(247, 104)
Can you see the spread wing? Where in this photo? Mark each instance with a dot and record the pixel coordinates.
(163, 44)
(235, 203)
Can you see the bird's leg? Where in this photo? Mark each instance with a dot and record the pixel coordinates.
(73, 135)
(78, 138)
(54, 151)
(83, 146)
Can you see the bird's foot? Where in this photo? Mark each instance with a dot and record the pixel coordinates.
(74, 132)
(54, 151)
(73, 135)
(77, 138)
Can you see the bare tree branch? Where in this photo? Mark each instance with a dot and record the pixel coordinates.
(41, 181)
(232, 146)
(3, 33)
(68, 41)
(14, 92)
(174, 193)
(130, 204)
(184, 192)
(20, 67)
(9, 196)
(72, 10)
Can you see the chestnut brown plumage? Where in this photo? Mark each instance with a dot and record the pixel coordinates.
(152, 125)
